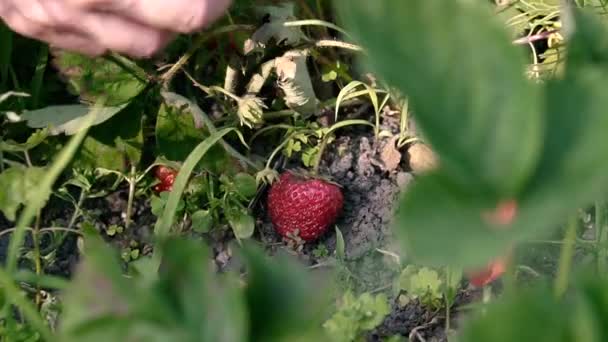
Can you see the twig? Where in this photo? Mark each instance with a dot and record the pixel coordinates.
(414, 333)
(534, 37)
(37, 263)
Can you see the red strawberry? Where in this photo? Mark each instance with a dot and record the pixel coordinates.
(166, 176)
(161, 172)
(302, 206)
(493, 271)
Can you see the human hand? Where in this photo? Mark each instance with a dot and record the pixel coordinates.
(138, 28)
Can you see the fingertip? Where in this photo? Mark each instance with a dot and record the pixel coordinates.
(201, 15)
(149, 46)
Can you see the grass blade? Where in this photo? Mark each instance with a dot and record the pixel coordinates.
(163, 226)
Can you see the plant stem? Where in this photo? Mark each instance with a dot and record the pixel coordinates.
(565, 259)
(77, 210)
(28, 161)
(447, 316)
(278, 149)
(322, 146)
(37, 263)
(602, 235)
(1, 157)
(73, 219)
(131, 180)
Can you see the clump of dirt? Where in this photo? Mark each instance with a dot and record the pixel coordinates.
(370, 194)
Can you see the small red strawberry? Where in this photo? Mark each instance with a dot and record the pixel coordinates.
(303, 206)
(161, 172)
(483, 277)
(166, 176)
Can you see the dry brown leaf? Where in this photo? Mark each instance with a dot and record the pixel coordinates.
(390, 155)
(421, 158)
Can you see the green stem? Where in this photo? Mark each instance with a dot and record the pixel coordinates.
(14, 295)
(322, 147)
(73, 219)
(565, 259)
(602, 235)
(37, 262)
(1, 157)
(132, 180)
(285, 113)
(278, 149)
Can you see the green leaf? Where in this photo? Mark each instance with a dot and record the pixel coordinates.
(440, 223)
(209, 307)
(356, 316)
(98, 291)
(116, 143)
(34, 140)
(176, 133)
(186, 302)
(570, 173)
(510, 320)
(66, 119)
(443, 56)
(117, 79)
(202, 221)
(423, 284)
(245, 184)
(242, 223)
(581, 316)
(19, 185)
(285, 302)
(96, 154)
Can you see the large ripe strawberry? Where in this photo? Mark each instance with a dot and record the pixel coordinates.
(303, 207)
